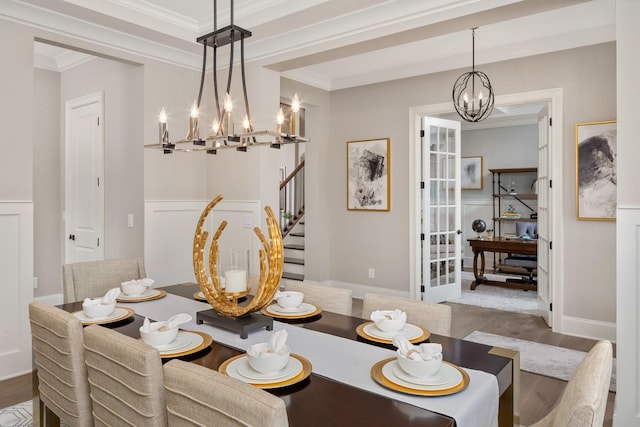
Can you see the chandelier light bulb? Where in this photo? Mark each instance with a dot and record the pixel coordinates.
(216, 126)
(194, 110)
(245, 123)
(228, 104)
(163, 116)
(295, 103)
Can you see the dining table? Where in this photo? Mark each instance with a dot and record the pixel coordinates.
(340, 389)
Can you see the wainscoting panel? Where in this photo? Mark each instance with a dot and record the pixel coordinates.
(16, 276)
(472, 210)
(170, 227)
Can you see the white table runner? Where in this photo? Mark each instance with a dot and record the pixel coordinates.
(343, 360)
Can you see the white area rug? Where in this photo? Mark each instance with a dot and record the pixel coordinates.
(542, 359)
(499, 298)
(17, 415)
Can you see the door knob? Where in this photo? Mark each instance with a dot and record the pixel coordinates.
(458, 231)
(72, 237)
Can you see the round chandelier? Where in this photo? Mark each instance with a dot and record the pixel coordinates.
(472, 92)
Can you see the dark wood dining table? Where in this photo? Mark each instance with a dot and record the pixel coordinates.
(322, 401)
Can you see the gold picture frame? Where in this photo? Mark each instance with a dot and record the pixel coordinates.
(471, 173)
(596, 171)
(369, 175)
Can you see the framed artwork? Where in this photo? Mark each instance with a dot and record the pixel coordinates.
(471, 173)
(368, 175)
(596, 171)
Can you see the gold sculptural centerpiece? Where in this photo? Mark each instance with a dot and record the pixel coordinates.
(271, 265)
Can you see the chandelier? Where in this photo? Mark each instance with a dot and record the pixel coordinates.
(223, 135)
(472, 92)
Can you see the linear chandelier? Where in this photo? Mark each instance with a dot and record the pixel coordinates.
(477, 85)
(223, 134)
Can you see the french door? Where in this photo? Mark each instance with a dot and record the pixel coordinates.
(440, 210)
(544, 213)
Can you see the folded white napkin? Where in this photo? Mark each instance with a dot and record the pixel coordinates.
(276, 345)
(416, 352)
(143, 282)
(173, 322)
(108, 298)
(378, 315)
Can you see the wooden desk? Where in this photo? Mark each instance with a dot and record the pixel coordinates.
(500, 245)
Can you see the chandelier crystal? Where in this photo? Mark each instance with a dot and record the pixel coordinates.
(472, 92)
(223, 135)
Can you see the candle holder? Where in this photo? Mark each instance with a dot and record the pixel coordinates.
(226, 312)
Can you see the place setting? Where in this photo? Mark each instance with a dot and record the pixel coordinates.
(139, 290)
(268, 364)
(291, 305)
(419, 370)
(103, 310)
(385, 324)
(170, 340)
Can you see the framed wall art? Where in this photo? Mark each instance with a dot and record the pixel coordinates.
(596, 172)
(471, 173)
(369, 175)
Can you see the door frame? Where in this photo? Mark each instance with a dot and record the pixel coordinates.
(97, 97)
(554, 98)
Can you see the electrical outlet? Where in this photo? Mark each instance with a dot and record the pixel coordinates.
(130, 220)
(35, 283)
(372, 273)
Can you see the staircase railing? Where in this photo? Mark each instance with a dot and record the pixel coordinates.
(292, 199)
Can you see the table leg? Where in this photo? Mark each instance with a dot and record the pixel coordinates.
(479, 276)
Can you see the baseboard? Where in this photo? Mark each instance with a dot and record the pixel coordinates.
(359, 290)
(587, 328)
(53, 299)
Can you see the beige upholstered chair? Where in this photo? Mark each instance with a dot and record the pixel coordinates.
(331, 299)
(200, 396)
(435, 317)
(94, 278)
(57, 342)
(125, 378)
(584, 400)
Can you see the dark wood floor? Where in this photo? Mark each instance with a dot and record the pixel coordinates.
(538, 394)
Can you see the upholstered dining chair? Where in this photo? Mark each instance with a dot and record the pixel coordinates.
(125, 379)
(92, 279)
(201, 396)
(335, 300)
(57, 342)
(435, 317)
(584, 399)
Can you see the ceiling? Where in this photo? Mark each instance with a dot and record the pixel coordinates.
(332, 44)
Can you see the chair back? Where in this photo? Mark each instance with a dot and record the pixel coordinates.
(92, 279)
(201, 396)
(335, 300)
(125, 378)
(435, 317)
(57, 342)
(584, 399)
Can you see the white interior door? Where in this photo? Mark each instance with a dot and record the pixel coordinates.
(440, 213)
(544, 214)
(84, 178)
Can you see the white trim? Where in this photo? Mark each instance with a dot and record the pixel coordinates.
(554, 96)
(53, 299)
(587, 328)
(359, 290)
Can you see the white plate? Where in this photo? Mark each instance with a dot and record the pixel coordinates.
(185, 341)
(302, 309)
(146, 294)
(451, 374)
(241, 370)
(438, 378)
(118, 313)
(409, 331)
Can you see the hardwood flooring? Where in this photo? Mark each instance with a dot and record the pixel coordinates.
(538, 394)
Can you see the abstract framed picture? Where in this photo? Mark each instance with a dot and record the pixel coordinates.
(471, 173)
(369, 175)
(596, 171)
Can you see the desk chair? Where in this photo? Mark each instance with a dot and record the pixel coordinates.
(335, 300)
(528, 262)
(92, 279)
(201, 396)
(125, 379)
(57, 342)
(435, 317)
(584, 400)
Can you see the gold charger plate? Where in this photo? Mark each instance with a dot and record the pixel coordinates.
(125, 313)
(360, 331)
(315, 312)
(304, 373)
(206, 342)
(378, 376)
(199, 296)
(160, 294)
